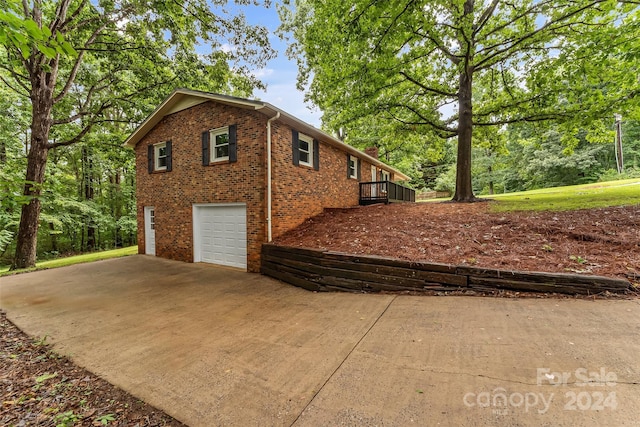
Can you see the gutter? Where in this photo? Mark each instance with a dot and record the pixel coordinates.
(269, 238)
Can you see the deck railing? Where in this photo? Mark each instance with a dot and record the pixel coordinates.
(385, 192)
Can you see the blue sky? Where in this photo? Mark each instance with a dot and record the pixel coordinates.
(280, 73)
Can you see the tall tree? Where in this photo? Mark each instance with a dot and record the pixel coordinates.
(125, 50)
(453, 65)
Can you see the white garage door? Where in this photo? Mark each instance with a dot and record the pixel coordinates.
(220, 234)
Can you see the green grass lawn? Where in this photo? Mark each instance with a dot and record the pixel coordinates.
(78, 259)
(597, 195)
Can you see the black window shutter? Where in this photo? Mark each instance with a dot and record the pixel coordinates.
(233, 143)
(150, 158)
(358, 166)
(348, 163)
(316, 154)
(295, 147)
(205, 148)
(169, 156)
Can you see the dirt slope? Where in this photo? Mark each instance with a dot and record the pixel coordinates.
(603, 242)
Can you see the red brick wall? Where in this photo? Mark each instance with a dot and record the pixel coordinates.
(300, 192)
(173, 193)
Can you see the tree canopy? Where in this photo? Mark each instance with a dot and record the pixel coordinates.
(451, 67)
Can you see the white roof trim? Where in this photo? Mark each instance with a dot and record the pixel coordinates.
(182, 99)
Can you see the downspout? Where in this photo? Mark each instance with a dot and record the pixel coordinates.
(269, 238)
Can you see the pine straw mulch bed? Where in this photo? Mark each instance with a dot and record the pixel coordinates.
(42, 388)
(603, 242)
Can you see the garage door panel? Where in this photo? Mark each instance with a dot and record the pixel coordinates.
(222, 235)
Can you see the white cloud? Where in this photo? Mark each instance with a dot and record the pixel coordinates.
(227, 48)
(288, 98)
(121, 24)
(263, 72)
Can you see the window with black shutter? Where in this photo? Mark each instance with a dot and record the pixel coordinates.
(353, 167)
(305, 150)
(159, 157)
(220, 145)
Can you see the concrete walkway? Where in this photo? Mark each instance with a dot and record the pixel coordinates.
(213, 346)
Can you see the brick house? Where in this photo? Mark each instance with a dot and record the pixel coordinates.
(217, 176)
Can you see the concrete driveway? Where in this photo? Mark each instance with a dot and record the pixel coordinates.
(214, 346)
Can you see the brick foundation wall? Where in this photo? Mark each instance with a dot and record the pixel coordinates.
(174, 193)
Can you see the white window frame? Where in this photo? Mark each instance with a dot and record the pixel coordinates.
(212, 144)
(309, 141)
(156, 156)
(152, 219)
(385, 176)
(353, 173)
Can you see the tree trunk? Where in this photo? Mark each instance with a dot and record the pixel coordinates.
(54, 237)
(27, 242)
(42, 86)
(464, 190)
(490, 170)
(87, 171)
(116, 211)
(130, 205)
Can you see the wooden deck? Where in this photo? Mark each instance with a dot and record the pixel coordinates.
(385, 192)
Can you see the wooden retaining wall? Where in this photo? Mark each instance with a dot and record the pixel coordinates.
(318, 270)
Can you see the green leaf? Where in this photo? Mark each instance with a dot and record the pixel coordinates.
(46, 32)
(25, 51)
(6, 237)
(20, 39)
(67, 49)
(44, 377)
(49, 52)
(32, 29)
